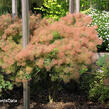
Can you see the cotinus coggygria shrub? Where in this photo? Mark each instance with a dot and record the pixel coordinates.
(64, 47)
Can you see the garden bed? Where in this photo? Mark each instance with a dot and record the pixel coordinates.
(79, 103)
(63, 100)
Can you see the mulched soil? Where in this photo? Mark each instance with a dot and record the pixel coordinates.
(63, 100)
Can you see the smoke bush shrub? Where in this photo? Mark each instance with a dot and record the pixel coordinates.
(62, 48)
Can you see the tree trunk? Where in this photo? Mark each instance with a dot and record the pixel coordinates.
(14, 9)
(77, 6)
(26, 94)
(72, 6)
(25, 19)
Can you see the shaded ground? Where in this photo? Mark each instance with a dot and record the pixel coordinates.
(63, 100)
(70, 97)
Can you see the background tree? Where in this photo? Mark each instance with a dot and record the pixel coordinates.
(71, 6)
(14, 9)
(74, 6)
(25, 26)
(77, 6)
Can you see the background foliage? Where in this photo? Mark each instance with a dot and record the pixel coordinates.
(97, 4)
(96, 84)
(5, 6)
(99, 88)
(54, 8)
(101, 19)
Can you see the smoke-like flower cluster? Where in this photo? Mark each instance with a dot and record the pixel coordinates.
(63, 46)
